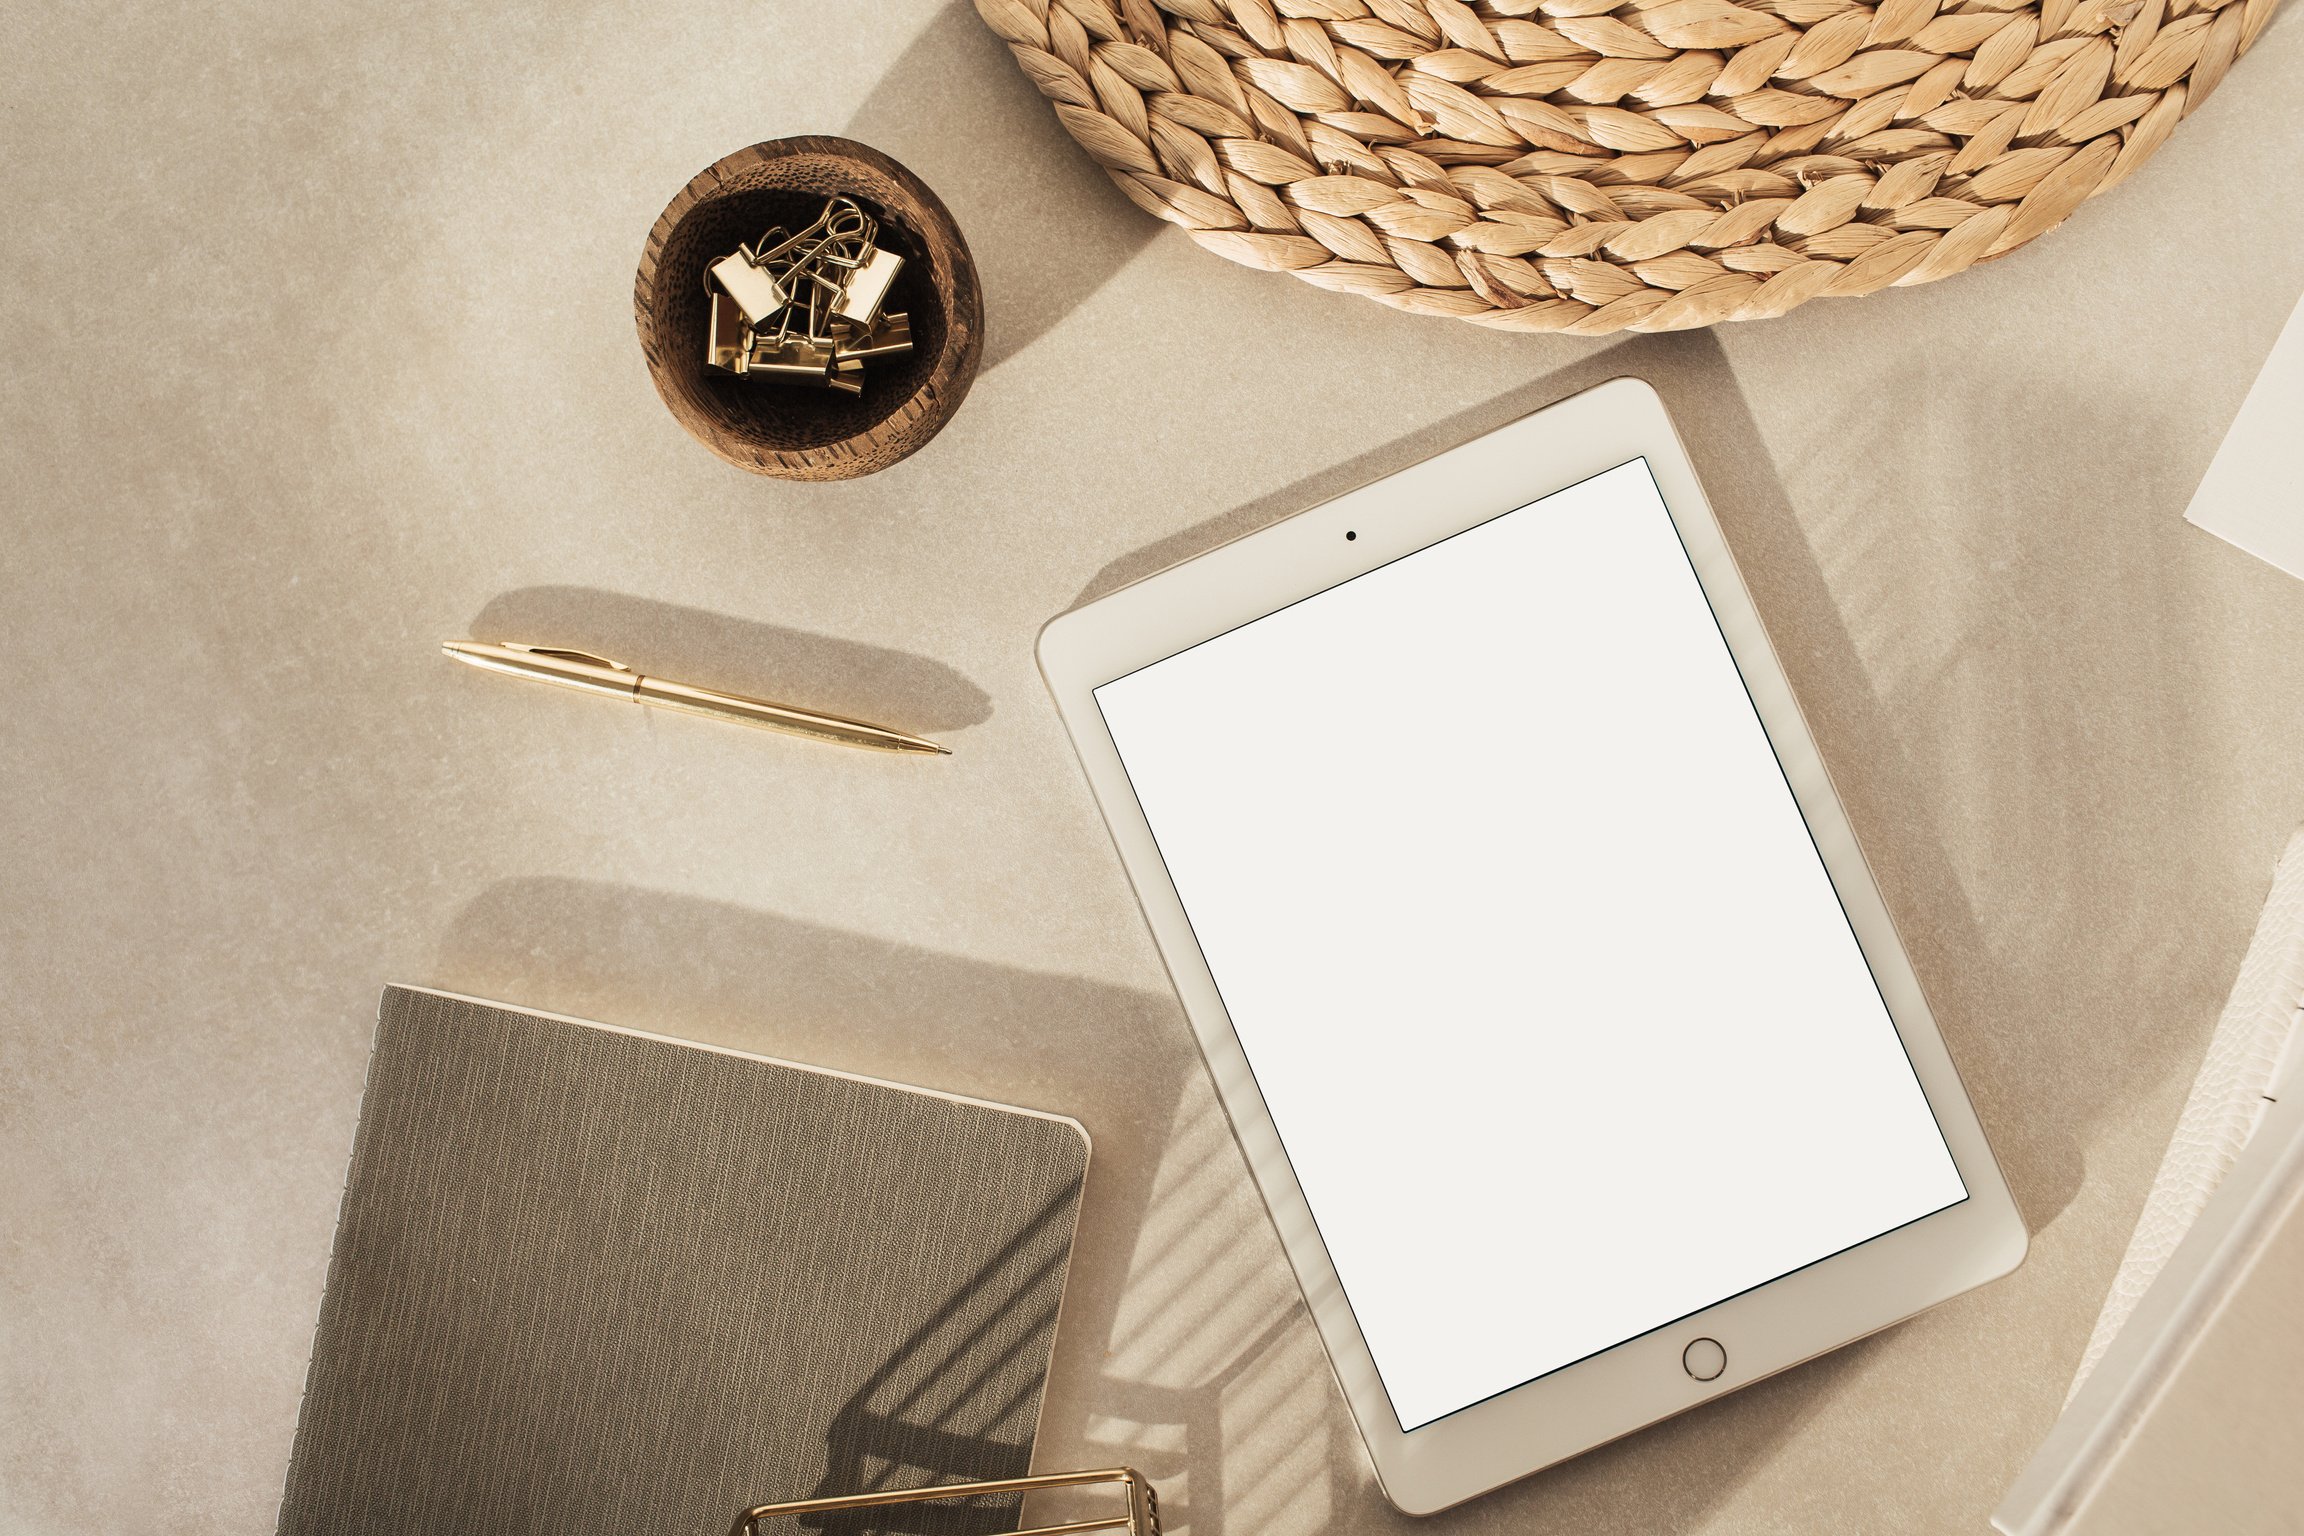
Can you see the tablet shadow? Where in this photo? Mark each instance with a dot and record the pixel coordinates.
(1047, 228)
(1217, 1389)
(1685, 1467)
(769, 661)
(1870, 765)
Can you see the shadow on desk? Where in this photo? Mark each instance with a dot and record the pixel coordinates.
(766, 661)
(1046, 226)
(1965, 982)
(1183, 1348)
(946, 1406)
(778, 986)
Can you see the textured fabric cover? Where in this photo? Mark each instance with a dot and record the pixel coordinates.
(586, 1281)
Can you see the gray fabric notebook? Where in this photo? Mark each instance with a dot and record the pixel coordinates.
(593, 1281)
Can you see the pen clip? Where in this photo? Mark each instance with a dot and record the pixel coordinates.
(567, 655)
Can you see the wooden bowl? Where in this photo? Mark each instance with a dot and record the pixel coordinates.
(798, 433)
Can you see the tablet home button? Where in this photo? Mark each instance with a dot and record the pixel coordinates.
(1704, 1359)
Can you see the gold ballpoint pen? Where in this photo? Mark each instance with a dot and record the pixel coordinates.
(597, 674)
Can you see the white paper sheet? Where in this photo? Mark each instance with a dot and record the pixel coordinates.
(2253, 495)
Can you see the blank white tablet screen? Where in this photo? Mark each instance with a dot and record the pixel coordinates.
(1530, 951)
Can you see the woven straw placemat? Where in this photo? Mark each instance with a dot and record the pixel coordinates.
(1603, 165)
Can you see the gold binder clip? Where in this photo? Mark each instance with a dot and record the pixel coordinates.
(727, 339)
(1139, 1517)
(750, 284)
(806, 308)
(889, 336)
(838, 233)
(867, 286)
(792, 360)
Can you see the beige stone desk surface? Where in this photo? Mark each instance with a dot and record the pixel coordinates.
(319, 350)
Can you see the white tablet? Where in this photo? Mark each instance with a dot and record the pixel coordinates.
(1562, 1025)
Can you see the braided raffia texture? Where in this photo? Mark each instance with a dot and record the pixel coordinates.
(1603, 165)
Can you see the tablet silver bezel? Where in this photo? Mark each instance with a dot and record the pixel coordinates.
(1765, 1330)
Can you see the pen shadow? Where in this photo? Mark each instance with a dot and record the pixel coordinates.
(1046, 227)
(770, 661)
